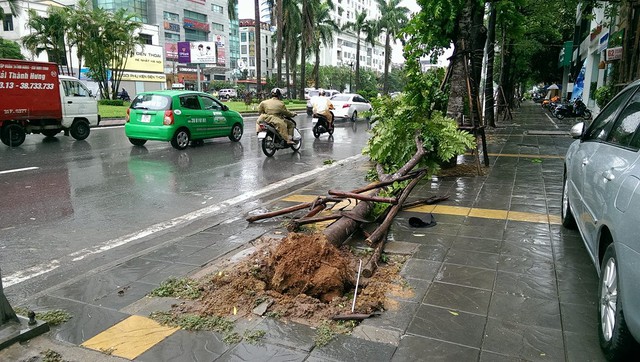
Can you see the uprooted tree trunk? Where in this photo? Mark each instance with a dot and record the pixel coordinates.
(338, 232)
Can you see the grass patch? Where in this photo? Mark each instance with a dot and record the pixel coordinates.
(193, 322)
(253, 337)
(184, 288)
(329, 329)
(52, 317)
(51, 356)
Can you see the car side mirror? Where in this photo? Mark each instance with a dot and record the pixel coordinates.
(577, 130)
(225, 108)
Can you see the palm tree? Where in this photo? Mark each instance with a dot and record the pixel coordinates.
(291, 36)
(48, 34)
(308, 29)
(360, 26)
(232, 9)
(13, 8)
(258, 48)
(394, 17)
(324, 31)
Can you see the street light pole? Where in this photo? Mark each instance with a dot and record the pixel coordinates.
(350, 64)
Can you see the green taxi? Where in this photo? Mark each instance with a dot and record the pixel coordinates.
(180, 117)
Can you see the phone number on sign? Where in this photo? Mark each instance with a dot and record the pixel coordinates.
(12, 85)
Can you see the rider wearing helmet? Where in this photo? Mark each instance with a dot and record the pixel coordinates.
(323, 106)
(273, 111)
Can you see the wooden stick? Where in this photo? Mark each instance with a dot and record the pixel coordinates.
(295, 224)
(380, 184)
(429, 201)
(286, 210)
(351, 195)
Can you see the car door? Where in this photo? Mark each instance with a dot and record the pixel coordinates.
(78, 101)
(219, 125)
(600, 161)
(361, 104)
(194, 116)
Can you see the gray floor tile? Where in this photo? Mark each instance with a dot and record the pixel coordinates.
(579, 318)
(532, 265)
(432, 252)
(477, 244)
(526, 249)
(523, 310)
(522, 341)
(416, 348)
(578, 291)
(397, 316)
(187, 346)
(446, 325)
(472, 258)
(290, 334)
(261, 352)
(526, 285)
(420, 269)
(347, 348)
(486, 356)
(460, 298)
(467, 276)
(583, 347)
(486, 232)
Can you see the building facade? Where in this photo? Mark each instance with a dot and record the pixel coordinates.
(247, 61)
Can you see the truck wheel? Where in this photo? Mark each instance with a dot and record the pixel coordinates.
(13, 135)
(80, 130)
(50, 132)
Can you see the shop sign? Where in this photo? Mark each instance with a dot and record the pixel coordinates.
(604, 42)
(172, 26)
(144, 77)
(196, 25)
(614, 54)
(146, 58)
(171, 51)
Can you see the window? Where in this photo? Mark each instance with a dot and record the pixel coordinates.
(7, 24)
(627, 124)
(170, 16)
(599, 129)
(146, 39)
(172, 37)
(75, 89)
(243, 49)
(243, 37)
(195, 16)
(209, 103)
(194, 35)
(218, 27)
(217, 9)
(190, 102)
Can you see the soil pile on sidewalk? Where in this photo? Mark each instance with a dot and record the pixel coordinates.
(302, 277)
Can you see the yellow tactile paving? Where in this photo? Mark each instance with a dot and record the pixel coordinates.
(519, 155)
(130, 338)
(464, 211)
(489, 213)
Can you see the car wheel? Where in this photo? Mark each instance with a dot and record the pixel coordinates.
(568, 220)
(80, 130)
(13, 135)
(236, 133)
(137, 141)
(354, 116)
(50, 132)
(615, 339)
(180, 139)
(268, 145)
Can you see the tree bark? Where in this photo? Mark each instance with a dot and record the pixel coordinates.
(280, 44)
(351, 195)
(489, 111)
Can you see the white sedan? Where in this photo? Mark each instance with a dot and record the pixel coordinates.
(349, 106)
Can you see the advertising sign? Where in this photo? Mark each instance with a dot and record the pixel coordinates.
(171, 26)
(147, 58)
(144, 77)
(184, 52)
(203, 52)
(220, 51)
(171, 51)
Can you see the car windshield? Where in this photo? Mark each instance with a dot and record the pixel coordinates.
(154, 102)
(341, 98)
(314, 93)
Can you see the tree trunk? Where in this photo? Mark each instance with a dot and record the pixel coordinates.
(458, 93)
(316, 68)
(280, 44)
(387, 60)
(258, 49)
(478, 35)
(489, 112)
(303, 70)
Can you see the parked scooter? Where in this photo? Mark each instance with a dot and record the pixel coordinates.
(272, 141)
(321, 125)
(575, 109)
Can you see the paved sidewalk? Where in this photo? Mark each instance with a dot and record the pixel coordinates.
(498, 279)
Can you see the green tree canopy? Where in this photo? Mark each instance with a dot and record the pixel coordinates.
(10, 49)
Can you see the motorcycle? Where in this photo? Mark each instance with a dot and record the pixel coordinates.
(272, 141)
(125, 97)
(575, 109)
(321, 125)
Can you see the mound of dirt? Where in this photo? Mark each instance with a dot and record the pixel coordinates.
(302, 277)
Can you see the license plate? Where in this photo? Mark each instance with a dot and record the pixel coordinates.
(146, 118)
(314, 120)
(262, 135)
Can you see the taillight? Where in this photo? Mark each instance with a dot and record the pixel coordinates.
(346, 105)
(168, 118)
(261, 127)
(126, 119)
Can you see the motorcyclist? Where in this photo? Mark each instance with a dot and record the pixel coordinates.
(322, 105)
(124, 95)
(273, 111)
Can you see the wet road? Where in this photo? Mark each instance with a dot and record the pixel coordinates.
(72, 199)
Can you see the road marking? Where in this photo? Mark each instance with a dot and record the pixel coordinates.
(554, 123)
(19, 170)
(37, 270)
